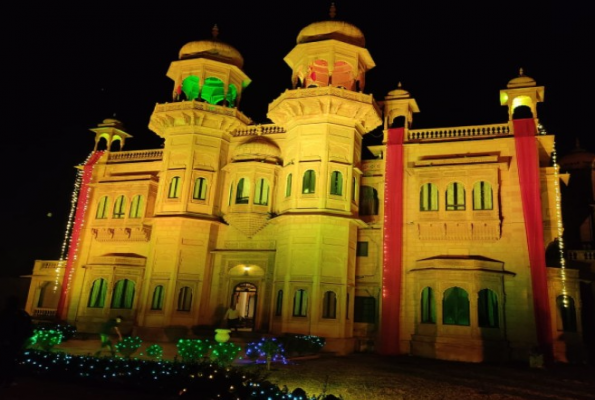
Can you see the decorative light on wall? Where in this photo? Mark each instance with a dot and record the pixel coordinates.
(559, 223)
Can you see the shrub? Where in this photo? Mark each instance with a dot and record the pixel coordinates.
(225, 353)
(155, 351)
(128, 346)
(295, 344)
(68, 331)
(193, 350)
(46, 339)
(266, 350)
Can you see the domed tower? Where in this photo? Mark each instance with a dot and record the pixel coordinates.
(325, 116)
(522, 91)
(197, 126)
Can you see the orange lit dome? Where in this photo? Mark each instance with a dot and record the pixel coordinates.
(257, 148)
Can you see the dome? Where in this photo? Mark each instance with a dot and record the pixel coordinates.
(212, 49)
(398, 93)
(257, 148)
(577, 159)
(521, 81)
(338, 30)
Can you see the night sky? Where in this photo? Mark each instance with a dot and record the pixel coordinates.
(67, 68)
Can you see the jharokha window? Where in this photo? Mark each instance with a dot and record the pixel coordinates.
(261, 193)
(123, 295)
(120, 207)
(482, 196)
(136, 206)
(175, 186)
(455, 197)
(200, 189)
(102, 208)
(428, 306)
(97, 294)
(300, 303)
(243, 191)
(336, 183)
(428, 197)
(455, 307)
(309, 182)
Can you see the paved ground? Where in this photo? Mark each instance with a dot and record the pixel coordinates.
(363, 377)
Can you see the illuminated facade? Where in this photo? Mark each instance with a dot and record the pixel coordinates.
(421, 250)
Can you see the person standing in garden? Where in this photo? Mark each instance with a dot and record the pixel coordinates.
(105, 335)
(233, 318)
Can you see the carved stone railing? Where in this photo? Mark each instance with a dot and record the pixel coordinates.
(322, 91)
(581, 255)
(459, 132)
(136, 155)
(199, 105)
(257, 130)
(481, 231)
(44, 313)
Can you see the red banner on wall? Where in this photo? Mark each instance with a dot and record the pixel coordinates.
(392, 244)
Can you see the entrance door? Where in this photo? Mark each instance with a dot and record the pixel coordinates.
(244, 297)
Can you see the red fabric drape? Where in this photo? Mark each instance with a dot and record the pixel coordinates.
(393, 242)
(528, 165)
(79, 220)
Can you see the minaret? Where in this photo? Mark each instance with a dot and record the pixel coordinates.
(522, 91)
(325, 116)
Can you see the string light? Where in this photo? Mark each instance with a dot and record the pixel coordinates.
(559, 223)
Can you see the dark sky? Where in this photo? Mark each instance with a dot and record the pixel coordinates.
(66, 68)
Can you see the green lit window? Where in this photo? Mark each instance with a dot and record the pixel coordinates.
(123, 295)
(487, 309)
(337, 183)
(482, 196)
(309, 182)
(213, 92)
(566, 313)
(200, 189)
(97, 294)
(455, 197)
(157, 301)
(102, 208)
(174, 188)
(362, 249)
(191, 87)
(261, 194)
(455, 307)
(120, 207)
(136, 206)
(368, 201)
(329, 305)
(428, 306)
(428, 197)
(288, 185)
(184, 299)
(279, 305)
(300, 303)
(364, 309)
(243, 191)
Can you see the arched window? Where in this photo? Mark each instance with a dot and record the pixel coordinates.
(455, 197)
(300, 303)
(309, 182)
(200, 189)
(136, 206)
(123, 295)
(97, 294)
(185, 299)
(364, 309)
(213, 92)
(243, 191)
(354, 189)
(329, 305)
(482, 196)
(566, 313)
(261, 194)
(368, 201)
(455, 307)
(174, 188)
(428, 197)
(120, 207)
(428, 306)
(157, 300)
(288, 185)
(487, 309)
(191, 87)
(279, 304)
(337, 183)
(102, 208)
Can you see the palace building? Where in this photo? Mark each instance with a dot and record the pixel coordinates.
(434, 246)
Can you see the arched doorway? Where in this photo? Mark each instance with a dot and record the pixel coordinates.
(244, 297)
